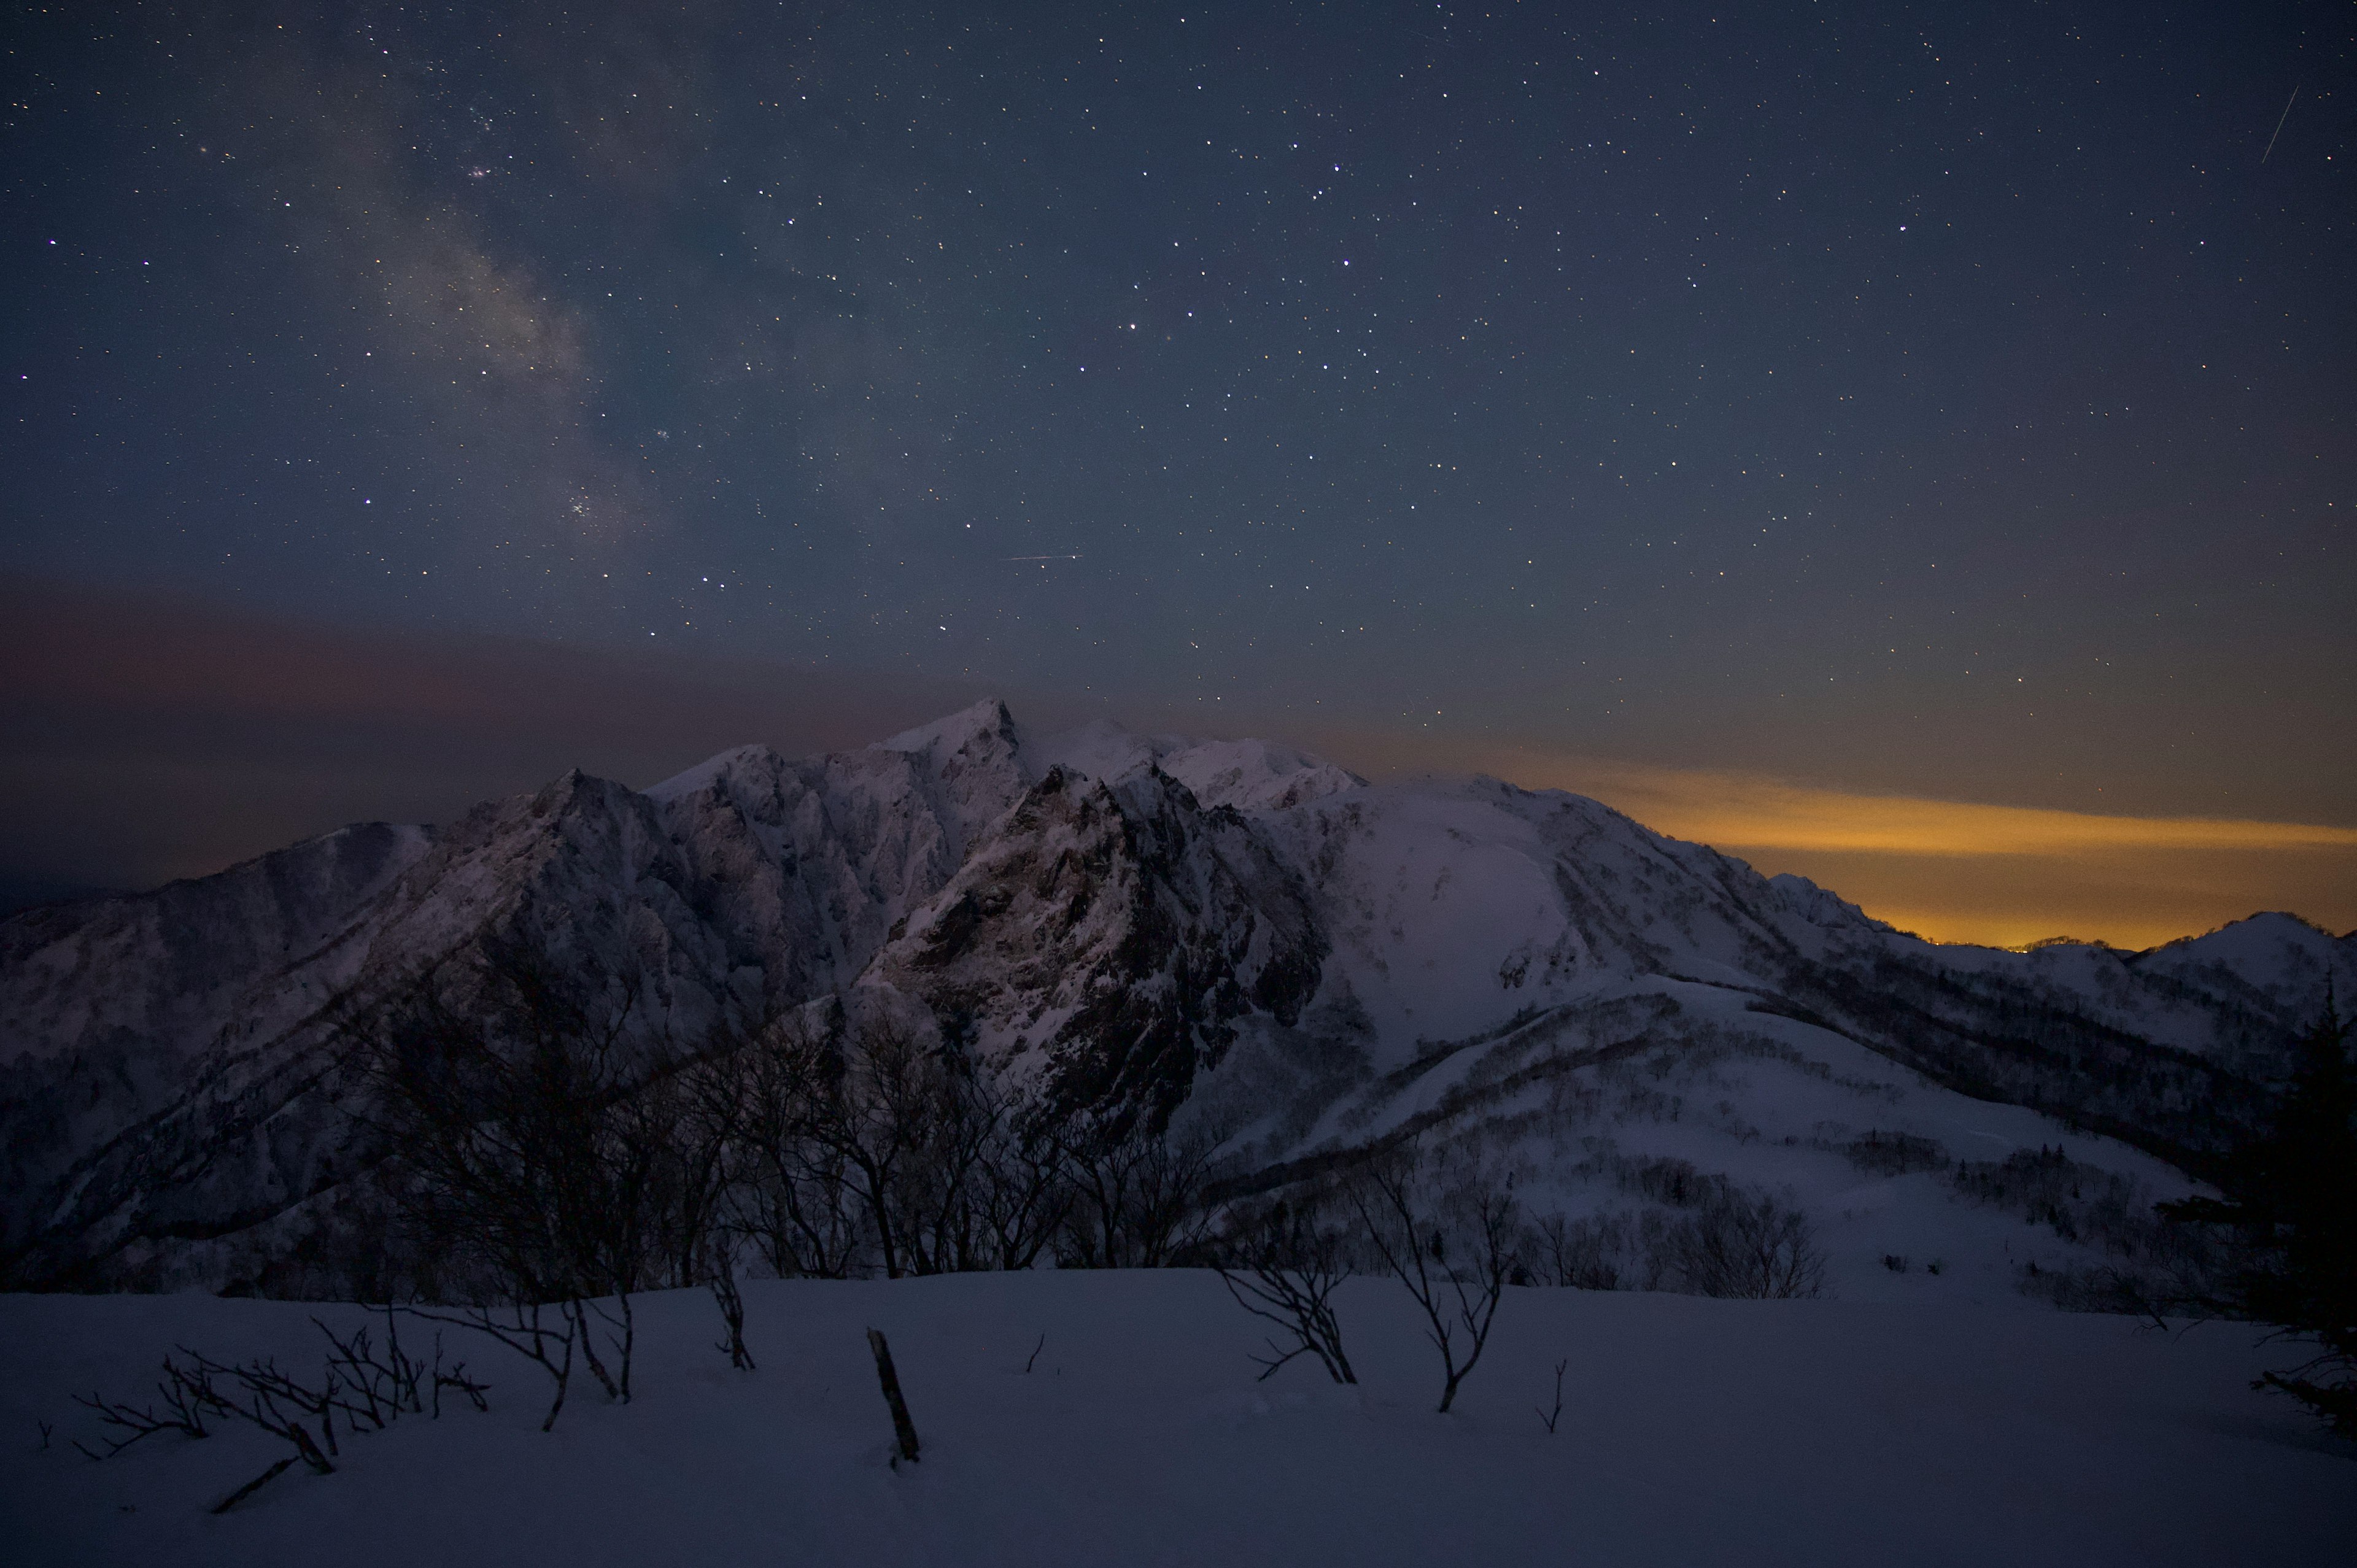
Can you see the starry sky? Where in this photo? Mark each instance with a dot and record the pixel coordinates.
(1866, 402)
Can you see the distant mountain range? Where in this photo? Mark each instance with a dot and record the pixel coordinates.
(1223, 934)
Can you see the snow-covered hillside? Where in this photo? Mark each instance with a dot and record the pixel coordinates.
(1230, 936)
(1693, 1432)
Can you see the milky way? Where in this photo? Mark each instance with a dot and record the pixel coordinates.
(1950, 400)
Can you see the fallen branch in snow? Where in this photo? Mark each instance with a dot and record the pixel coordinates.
(1033, 1360)
(904, 1431)
(265, 1387)
(255, 1484)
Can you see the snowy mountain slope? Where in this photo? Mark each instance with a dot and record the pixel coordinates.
(1232, 932)
(177, 964)
(140, 1130)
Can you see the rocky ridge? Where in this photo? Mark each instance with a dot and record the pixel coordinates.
(1132, 929)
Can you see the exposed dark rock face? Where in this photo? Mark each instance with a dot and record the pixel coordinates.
(1102, 943)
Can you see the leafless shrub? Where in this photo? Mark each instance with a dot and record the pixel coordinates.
(273, 1401)
(381, 1387)
(1674, 1182)
(370, 1389)
(1598, 1251)
(188, 1399)
(1896, 1153)
(523, 1327)
(1744, 1244)
(1549, 1417)
(2149, 1264)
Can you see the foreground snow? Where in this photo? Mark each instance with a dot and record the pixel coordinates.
(1694, 1431)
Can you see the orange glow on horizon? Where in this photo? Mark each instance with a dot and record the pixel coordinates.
(1732, 811)
(1953, 871)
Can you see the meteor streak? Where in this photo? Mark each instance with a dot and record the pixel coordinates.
(2280, 122)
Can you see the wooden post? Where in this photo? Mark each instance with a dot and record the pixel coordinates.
(904, 1431)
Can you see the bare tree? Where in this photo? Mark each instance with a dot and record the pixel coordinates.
(790, 1194)
(1283, 1267)
(1416, 1211)
(873, 1147)
(873, 1114)
(1023, 1196)
(731, 1302)
(532, 1156)
(1139, 1193)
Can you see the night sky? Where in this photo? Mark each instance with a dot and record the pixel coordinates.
(1946, 404)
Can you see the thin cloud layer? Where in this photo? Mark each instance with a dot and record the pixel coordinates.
(1733, 810)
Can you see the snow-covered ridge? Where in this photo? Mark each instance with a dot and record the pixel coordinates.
(1229, 932)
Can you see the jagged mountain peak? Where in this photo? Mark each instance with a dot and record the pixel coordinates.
(1126, 925)
(1248, 775)
(1100, 748)
(1103, 938)
(736, 760)
(983, 726)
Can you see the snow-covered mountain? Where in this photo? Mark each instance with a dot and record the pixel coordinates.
(1230, 934)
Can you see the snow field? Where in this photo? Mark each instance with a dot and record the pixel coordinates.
(1694, 1431)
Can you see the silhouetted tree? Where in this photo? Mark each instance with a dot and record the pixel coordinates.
(1283, 1264)
(1138, 1194)
(1434, 1220)
(2291, 1196)
(527, 1161)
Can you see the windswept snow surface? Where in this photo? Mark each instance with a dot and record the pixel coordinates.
(1693, 1433)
